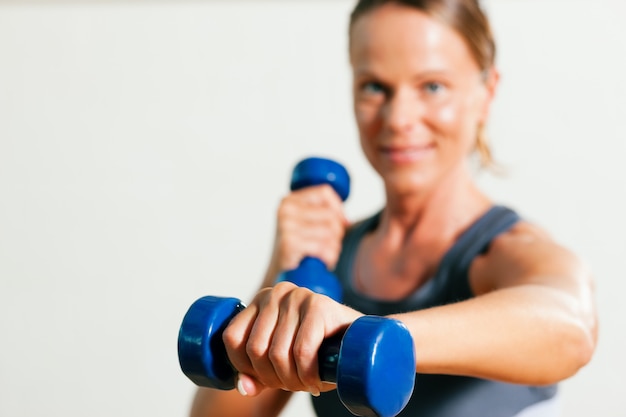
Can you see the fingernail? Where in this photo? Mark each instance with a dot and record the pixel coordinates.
(240, 387)
(314, 391)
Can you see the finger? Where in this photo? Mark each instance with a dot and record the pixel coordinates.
(322, 318)
(235, 337)
(308, 204)
(281, 349)
(306, 345)
(332, 200)
(260, 339)
(321, 239)
(325, 227)
(309, 238)
(320, 196)
(304, 215)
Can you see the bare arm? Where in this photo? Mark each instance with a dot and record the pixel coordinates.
(533, 320)
(215, 403)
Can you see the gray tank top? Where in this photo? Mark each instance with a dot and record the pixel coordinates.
(441, 395)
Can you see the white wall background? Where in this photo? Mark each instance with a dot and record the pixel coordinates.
(144, 146)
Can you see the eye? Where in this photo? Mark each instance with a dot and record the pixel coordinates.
(433, 87)
(373, 88)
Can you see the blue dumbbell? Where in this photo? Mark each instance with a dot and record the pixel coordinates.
(312, 273)
(372, 362)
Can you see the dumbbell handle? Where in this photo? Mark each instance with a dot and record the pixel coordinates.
(201, 335)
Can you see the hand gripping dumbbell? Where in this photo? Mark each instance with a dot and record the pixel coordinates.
(312, 273)
(372, 362)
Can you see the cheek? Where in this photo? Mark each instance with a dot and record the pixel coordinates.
(446, 120)
(368, 124)
(447, 116)
(366, 117)
(455, 119)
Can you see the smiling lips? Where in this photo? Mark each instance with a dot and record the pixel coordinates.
(407, 154)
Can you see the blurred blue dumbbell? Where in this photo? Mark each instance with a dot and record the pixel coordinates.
(312, 273)
(372, 362)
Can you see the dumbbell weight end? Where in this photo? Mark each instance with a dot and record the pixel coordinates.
(201, 352)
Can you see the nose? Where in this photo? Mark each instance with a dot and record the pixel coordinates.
(402, 112)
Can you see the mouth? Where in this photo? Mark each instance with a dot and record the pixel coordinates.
(407, 154)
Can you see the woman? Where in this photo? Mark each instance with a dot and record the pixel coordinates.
(499, 312)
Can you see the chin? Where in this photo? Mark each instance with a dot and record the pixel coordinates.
(404, 183)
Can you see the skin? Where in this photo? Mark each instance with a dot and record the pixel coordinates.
(419, 98)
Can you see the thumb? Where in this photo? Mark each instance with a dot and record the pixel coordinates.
(248, 386)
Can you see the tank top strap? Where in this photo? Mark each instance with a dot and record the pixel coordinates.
(350, 245)
(450, 282)
(473, 242)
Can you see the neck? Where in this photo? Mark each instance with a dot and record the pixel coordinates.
(439, 213)
(413, 235)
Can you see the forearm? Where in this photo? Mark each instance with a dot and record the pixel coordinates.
(272, 271)
(528, 334)
(216, 403)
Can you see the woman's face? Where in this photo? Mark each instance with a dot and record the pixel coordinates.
(419, 96)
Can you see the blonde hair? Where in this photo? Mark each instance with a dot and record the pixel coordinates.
(468, 19)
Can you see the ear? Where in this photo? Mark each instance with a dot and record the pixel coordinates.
(491, 79)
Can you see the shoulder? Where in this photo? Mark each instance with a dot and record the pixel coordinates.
(524, 254)
(527, 241)
(520, 236)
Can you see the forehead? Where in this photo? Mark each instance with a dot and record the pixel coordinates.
(402, 37)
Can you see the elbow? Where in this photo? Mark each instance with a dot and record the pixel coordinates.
(574, 351)
(576, 338)
(581, 354)
(584, 339)
(584, 345)
(583, 327)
